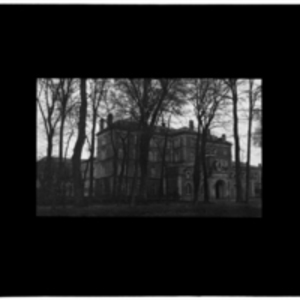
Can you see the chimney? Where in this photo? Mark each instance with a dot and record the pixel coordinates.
(223, 137)
(109, 120)
(191, 125)
(101, 124)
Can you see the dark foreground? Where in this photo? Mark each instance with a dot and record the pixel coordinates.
(227, 210)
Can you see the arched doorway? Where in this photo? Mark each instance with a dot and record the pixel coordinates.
(220, 189)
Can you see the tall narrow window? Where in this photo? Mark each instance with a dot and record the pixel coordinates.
(120, 153)
(152, 171)
(151, 156)
(154, 156)
(188, 188)
(192, 156)
(176, 158)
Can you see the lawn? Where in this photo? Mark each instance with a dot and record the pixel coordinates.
(252, 210)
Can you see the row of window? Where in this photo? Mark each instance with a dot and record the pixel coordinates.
(106, 139)
(154, 156)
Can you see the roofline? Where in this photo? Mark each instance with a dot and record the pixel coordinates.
(173, 132)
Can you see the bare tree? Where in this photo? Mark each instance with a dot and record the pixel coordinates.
(76, 158)
(164, 154)
(97, 94)
(206, 97)
(65, 89)
(232, 83)
(145, 99)
(253, 95)
(123, 160)
(47, 100)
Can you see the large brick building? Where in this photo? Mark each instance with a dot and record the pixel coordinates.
(120, 137)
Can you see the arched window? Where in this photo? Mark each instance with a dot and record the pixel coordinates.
(188, 189)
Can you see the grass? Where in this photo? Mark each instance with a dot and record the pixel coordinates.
(159, 210)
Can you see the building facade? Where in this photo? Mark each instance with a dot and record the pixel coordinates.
(171, 163)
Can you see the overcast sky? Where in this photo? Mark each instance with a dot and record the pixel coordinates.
(228, 130)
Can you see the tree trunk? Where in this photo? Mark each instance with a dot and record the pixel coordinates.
(204, 167)
(121, 175)
(249, 147)
(197, 167)
(91, 186)
(239, 194)
(49, 172)
(60, 170)
(128, 163)
(163, 167)
(144, 147)
(76, 159)
(136, 165)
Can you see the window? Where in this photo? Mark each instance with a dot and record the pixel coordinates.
(188, 189)
(151, 156)
(188, 175)
(193, 142)
(102, 187)
(152, 171)
(192, 156)
(120, 153)
(176, 156)
(104, 139)
(155, 156)
(154, 189)
(168, 155)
